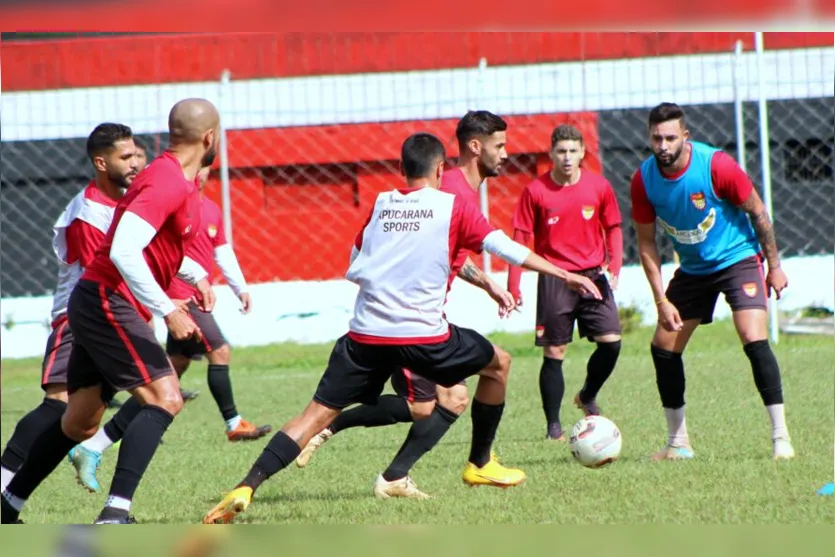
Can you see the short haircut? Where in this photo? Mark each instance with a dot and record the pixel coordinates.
(665, 112)
(140, 144)
(565, 132)
(420, 155)
(104, 138)
(478, 123)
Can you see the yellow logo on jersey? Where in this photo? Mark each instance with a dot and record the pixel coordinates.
(212, 231)
(588, 212)
(750, 289)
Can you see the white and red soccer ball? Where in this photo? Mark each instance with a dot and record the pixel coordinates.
(595, 441)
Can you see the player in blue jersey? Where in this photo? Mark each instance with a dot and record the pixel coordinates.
(707, 205)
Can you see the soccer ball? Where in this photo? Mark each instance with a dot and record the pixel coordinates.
(595, 441)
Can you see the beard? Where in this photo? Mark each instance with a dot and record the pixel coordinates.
(121, 181)
(672, 160)
(490, 172)
(209, 157)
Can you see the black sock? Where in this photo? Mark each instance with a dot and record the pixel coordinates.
(486, 418)
(669, 376)
(118, 424)
(422, 438)
(601, 365)
(551, 388)
(139, 444)
(766, 371)
(46, 453)
(389, 410)
(220, 386)
(28, 429)
(276, 456)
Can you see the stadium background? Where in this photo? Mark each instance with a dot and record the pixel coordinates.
(314, 122)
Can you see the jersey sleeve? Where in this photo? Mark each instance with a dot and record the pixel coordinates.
(469, 226)
(729, 180)
(157, 201)
(524, 217)
(358, 238)
(642, 210)
(609, 209)
(83, 239)
(216, 219)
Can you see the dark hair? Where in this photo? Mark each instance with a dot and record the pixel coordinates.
(478, 122)
(105, 136)
(665, 112)
(140, 144)
(565, 132)
(420, 155)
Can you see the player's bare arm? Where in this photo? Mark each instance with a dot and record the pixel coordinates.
(758, 214)
(472, 274)
(475, 276)
(668, 315)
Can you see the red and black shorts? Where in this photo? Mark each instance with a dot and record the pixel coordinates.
(57, 354)
(558, 307)
(113, 345)
(194, 349)
(695, 296)
(357, 373)
(413, 387)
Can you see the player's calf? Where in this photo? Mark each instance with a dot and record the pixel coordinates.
(766, 373)
(48, 412)
(669, 377)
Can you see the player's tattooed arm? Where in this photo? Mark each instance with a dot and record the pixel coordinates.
(472, 274)
(763, 227)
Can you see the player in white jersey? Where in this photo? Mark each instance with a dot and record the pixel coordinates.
(401, 262)
(76, 235)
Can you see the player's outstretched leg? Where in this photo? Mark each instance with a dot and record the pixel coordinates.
(86, 456)
(552, 390)
(600, 366)
(389, 410)
(29, 428)
(79, 422)
(279, 453)
(483, 468)
(669, 377)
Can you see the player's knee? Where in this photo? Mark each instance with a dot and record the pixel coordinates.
(220, 356)
(766, 371)
(455, 399)
(77, 428)
(421, 410)
(611, 347)
(554, 352)
(57, 392)
(171, 401)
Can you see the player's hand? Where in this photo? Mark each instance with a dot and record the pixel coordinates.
(583, 285)
(205, 299)
(517, 296)
(182, 326)
(505, 299)
(669, 317)
(613, 282)
(246, 302)
(777, 280)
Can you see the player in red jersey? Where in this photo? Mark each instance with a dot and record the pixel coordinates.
(401, 261)
(210, 245)
(115, 348)
(575, 221)
(77, 233)
(482, 139)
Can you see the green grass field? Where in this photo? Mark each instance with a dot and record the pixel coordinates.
(732, 480)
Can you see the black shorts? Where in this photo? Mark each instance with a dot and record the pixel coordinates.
(212, 336)
(743, 285)
(557, 307)
(413, 387)
(113, 345)
(357, 373)
(57, 355)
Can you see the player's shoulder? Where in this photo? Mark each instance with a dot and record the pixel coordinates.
(596, 179)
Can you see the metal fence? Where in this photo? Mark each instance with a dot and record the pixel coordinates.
(306, 153)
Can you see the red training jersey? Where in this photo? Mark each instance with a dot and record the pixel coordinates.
(568, 222)
(202, 249)
(456, 183)
(165, 199)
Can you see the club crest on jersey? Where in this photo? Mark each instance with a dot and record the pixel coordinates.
(699, 201)
(187, 230)
(750, 289)
(588, 212)
(212, 231)
(553, 220)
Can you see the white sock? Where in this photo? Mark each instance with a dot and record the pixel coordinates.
(777, 413)
(6, 476)
(15, 501)
(99, 442)
(676, 428)
(232, 423)
(116, 502)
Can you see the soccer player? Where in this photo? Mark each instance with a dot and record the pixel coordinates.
(575, 221)
(210, 244)
(482, 140)
(719, 227)
(77, 233)
(402, 262)
(114, 347)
